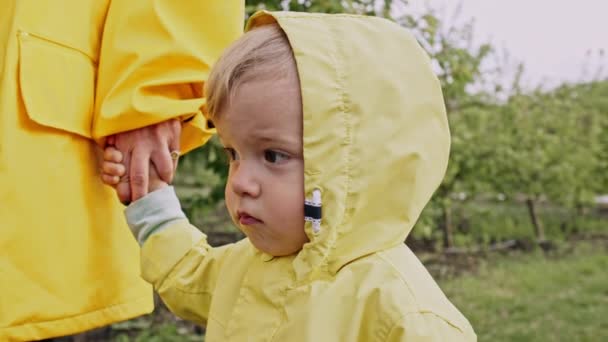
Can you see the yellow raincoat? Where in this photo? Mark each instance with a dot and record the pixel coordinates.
(68, 262)
(376, 143)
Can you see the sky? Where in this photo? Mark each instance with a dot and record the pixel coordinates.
(553, 38)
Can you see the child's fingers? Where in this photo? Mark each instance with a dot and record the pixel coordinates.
(110, 180)
(113, 169)
(111, 154)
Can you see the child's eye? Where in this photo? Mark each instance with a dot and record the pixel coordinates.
(231, 153)
(275, 157)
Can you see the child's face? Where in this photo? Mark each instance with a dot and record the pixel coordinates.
(261, 130)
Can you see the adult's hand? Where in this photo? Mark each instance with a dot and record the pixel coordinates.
(143, 148)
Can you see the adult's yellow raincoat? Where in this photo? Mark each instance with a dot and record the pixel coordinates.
(68, 262)
(376, 143)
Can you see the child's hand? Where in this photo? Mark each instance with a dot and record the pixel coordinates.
(112, 168)
(113, 171)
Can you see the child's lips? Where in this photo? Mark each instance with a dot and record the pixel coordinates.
(247, 220)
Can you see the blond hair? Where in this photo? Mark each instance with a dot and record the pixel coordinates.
(263, 52)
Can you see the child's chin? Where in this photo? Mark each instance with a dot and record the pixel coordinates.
(275, 252)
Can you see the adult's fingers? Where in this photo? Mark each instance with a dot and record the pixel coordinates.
(123, 188)
(164, 165)
(139, 173)
(174, 144)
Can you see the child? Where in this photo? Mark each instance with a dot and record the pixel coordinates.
(354, 124)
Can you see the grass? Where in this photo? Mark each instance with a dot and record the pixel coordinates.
(537, 297)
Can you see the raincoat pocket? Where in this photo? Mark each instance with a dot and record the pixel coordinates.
(57, 84)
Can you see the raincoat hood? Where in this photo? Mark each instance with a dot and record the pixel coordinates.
(376, 136)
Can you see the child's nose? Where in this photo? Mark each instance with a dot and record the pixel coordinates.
(243, 181)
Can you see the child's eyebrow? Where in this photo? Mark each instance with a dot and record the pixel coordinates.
(272, 138)
(267, 137)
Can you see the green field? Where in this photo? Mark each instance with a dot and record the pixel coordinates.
(537, 297)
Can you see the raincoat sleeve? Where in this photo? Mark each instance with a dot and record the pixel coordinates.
(154, 59)
(428, 326)
(175, 256)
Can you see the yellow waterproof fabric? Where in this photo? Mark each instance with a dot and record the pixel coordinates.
(68, 262)
(376, 143)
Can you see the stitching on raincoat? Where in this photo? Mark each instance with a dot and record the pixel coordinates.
(445, 319)
(331, 243)
(326, 16)
(345, 109)
(283, 313)
(57, 43)
(421, 313)
(237, 306)
(186, 291)
(170, 276)
(212, 318)
(77, 316)
(240, 302)
(400, 276)
(318, 248)
(419, 309)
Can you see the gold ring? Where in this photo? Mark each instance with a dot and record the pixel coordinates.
(175, 154)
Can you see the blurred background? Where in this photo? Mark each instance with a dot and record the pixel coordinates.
(517, 235)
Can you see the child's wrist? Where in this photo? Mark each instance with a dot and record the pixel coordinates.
(156, 185)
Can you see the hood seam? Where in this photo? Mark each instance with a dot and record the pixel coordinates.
(345, 112)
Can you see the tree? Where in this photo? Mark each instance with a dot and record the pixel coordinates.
(546, 149)
(459, 66)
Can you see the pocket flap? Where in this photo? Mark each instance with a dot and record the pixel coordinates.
(57, 84)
